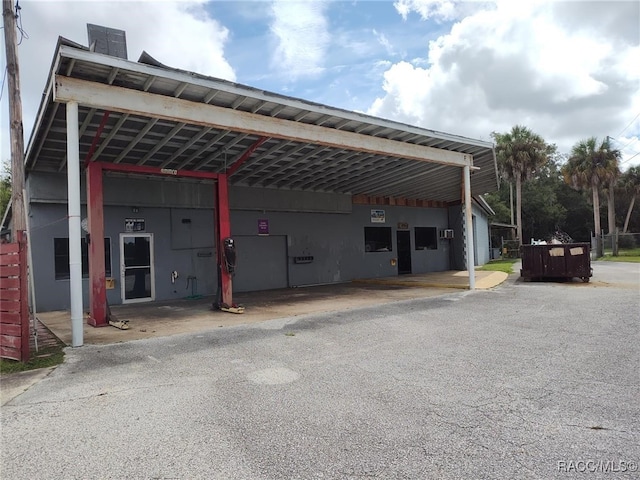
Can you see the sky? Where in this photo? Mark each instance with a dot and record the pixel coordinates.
(568, 70)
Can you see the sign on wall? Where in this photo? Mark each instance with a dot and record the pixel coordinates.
(377, 216)
(134, 225)
(263, 227)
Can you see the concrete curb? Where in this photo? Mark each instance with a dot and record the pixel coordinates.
(15, 384)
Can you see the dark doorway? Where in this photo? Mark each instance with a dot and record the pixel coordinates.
(404, 251)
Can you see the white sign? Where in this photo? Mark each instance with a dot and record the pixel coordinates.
(134, 225)
(377, 216)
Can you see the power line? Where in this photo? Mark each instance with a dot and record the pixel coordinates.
(23, 34)
(630, 158)
(630, 123)
(4, 77)
(632, 141)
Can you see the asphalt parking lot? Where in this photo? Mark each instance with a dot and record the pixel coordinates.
(527, 380)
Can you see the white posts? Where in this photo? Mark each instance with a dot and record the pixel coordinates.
(75, 232)
(469, 227)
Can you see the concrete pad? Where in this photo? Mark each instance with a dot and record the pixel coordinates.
(449, 279)
(159, 319)
(15, 384)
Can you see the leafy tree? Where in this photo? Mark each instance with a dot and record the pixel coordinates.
(542, 213)
(630, 184)
(520, 153)
(5, 188)
(549, 205)
(591, 166)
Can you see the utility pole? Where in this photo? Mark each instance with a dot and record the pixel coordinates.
(15, 119)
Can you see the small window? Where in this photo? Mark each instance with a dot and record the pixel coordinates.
(426, 238)
(61, 257)
(377, 239)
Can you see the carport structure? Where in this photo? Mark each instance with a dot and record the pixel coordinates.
(108, 115)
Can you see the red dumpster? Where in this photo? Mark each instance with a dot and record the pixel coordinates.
(564, 260)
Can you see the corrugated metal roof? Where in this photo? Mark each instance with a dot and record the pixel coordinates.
(276, 163)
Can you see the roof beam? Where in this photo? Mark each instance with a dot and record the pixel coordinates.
(312, 177)
(211, 143)
(274, 161)
(185, 147)
(221, 151)
(136, 140)
(83, 128)
(159, 106)
(274, 149)
(295, 170)
(161, 143)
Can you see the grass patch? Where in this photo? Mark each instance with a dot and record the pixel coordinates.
(46, 357)
(624, 255)
(501, 265)
(621, 258)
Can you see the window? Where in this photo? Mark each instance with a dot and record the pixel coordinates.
(377, 239)
(426, 238)
(61, 257)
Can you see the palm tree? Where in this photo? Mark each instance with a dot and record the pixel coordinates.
(520, 153)
(630, 181)
(591, 166)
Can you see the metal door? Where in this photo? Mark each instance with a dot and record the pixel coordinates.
(137, 277)
(403, 238)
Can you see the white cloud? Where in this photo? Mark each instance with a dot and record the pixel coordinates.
(300, 30)
(528, 63)
(384, 41)
(179, 34)
(440, 9)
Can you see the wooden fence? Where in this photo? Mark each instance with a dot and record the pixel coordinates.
(14, 304)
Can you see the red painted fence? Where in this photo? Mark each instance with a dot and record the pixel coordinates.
(14, 304)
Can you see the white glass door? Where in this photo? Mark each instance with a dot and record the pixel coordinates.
(136, 267)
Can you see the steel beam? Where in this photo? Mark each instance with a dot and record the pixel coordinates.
(245, 156)
(96, 137)
(165, 172)
(97, 275)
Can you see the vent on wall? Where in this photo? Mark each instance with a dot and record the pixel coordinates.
(446, 233)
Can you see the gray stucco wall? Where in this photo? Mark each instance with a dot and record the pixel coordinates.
(481, 238)
(326, 227)
(457, 245)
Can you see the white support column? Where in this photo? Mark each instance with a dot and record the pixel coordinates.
(75, 232)
(469, 227)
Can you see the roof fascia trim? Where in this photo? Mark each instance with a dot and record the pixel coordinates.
(126, 100)
(237, 89)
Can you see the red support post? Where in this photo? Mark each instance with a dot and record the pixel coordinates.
(97, 276)
(223, 228)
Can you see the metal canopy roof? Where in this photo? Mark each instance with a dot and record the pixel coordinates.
(125, 138)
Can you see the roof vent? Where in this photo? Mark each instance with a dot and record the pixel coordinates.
(109, 41)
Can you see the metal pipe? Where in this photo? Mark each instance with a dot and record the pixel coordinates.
(75, 232)
(469, 227)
